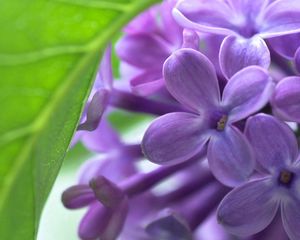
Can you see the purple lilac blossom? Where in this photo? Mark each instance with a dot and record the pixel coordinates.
(143, 50)
(203, 132)
(176, 137)
(251, 207)
(245, 23)
(146, 49)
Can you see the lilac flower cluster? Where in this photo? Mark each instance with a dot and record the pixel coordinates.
(221, 78)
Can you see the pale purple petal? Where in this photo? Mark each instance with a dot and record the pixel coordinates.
(142, 50)
(247, 92)
(290, 213)
(170, 227)
(105, 74)
(115, 166)
(237, 53)
(147, 82)
(274, 143)
(94, 222)
(248, 209)
(206, 15)
(170, 29)
(174, 138)
(286, 45)
(145, 22)
(78, 196)
(191, 78)
(280, 18)
(210, 47)
(128, 71)
(91, 169)
(297, 60)
(230, 157)
(103, 139)
(95, 110)
(286, 99)
(248, 8)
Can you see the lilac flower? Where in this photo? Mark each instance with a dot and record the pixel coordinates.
(115, 160)
(286, 99)
(147, 48)
(251, 207)
(245, 23)
(178, 136)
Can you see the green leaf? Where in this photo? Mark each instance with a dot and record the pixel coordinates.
(49, 52)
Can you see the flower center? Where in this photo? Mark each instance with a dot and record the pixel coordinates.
(222, 123)
(286, 177)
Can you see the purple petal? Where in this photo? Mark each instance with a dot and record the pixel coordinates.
(248, 8)
(147, 82)
(170, 29)
(115, 166)
(211, 48)
(279, 44)
(211, 16)
(290, 213)
(116, 222)
(280, 18)
(286, 99)
(78, 196)
(94, 222)
(90, 169)
(174, 138)
(105, 75)
(127, 71)
(108, 193)
(230, 157)
(247, 92)
(143, 23)
(297, 59)
(103, 139)
(248, 209)
(237, 53)
(191, 78)
(95, 110)
(142, 50)
(170, 227)
(273, 142)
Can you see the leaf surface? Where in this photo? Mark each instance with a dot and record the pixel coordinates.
(49, 53)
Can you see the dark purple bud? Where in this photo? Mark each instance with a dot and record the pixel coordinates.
(107, 192)
(77, 196)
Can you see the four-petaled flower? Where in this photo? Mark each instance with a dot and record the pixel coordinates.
(251, 207)
(191, 78)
